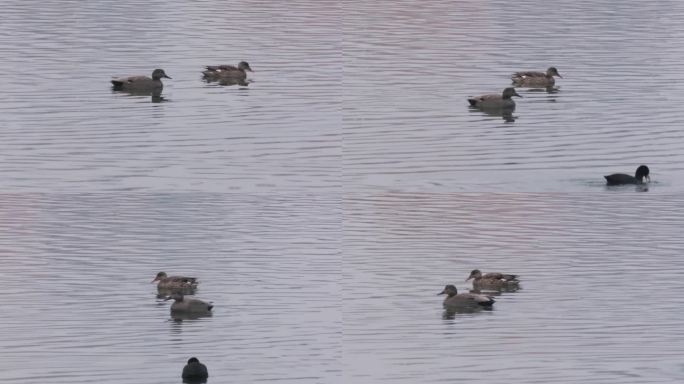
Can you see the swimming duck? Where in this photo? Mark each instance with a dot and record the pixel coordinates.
(638, 178)
(140, 83)
(186, 304)
(174, 282)
(194, 371)
(536, 79)
(494, 101)
(455, 299)
(215, 72)
(493, 280)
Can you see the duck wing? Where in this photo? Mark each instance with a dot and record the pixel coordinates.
(479, 299)
(222, 67)
(182, 279)
(500, 276)
(524, 74)
(129, 80)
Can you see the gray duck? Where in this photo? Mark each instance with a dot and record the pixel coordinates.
(494, 101)
(464, 300)
(189, 305)
(140, 83)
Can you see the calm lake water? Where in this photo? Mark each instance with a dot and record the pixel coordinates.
(326, 203)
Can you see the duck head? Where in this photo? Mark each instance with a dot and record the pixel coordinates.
(244, 66)
(552, 71)
(475, 274)
(158, 74)
(160, 276)
(449, 290)
(510, 92)
(642, 172)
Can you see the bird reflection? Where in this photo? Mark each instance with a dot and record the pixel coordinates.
(227, 81)
(505, 113)
(177, 320)
(155, 95)
(179, 317)
(637, 188)
(451, 312)
(550, 89)
(194, 381)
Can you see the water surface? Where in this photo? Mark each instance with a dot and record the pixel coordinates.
(324, 204)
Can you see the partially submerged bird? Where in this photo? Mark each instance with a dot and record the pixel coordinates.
(621, 178)
(194, 371)
(174, 282)
(140, 83)
(536, 79)
(470, 300)
(189, 305)
(218, 72)
(493, 280)
(494, 101)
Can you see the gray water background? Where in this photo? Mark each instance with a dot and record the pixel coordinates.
(326, 203)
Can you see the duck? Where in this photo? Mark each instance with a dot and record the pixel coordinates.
(536, 79)
(216, 72)
(620, 178)
(494, 101)
(174, 282)
(194, 371)
(493, 280)
(471, 300)
(191, 305)
(141, 83)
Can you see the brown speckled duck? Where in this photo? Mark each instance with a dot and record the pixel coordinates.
(174, 282)
(217, 72)
(494, 101)
(536, 79)
(493, 280)
(140, 83)
(464, 300)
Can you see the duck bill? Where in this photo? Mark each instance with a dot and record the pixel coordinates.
(442, 293)
(168, 77)
(466, 280)
(155, 279)
(516, 94)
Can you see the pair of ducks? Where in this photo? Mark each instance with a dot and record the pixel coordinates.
(530, 79)
(488, 281)
(212, 73)
(546, 79)
(176, 288)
